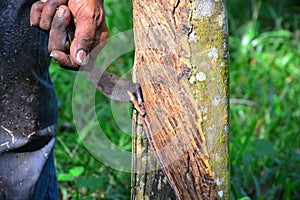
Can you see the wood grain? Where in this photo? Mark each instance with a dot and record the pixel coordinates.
(164, 64)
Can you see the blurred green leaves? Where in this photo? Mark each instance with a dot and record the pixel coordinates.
(71, 175)
(265, 139)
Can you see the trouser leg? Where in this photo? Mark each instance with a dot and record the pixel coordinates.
(46, 186)
(28, 175)
(28, 108)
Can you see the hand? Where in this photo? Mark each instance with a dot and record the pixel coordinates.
(89, 24)
(42, 12)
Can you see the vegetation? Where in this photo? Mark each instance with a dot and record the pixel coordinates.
(265, 108)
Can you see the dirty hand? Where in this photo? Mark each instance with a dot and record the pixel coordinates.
(62, 18)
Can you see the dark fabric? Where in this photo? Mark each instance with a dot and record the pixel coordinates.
(29, 175)
(28, 107)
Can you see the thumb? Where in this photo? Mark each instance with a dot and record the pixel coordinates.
(88, 16)
(83, 41)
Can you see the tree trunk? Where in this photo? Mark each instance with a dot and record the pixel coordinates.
(181, 62)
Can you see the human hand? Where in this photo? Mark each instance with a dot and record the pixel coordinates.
(43, 11)
(85, 16)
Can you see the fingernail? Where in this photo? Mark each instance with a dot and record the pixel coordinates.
(61, 12)
(81, 57)
(44, 1)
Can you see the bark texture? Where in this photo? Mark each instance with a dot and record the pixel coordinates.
(181, 63)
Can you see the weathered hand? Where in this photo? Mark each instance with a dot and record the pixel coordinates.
(86, 17)
(42, 12)
(62, 30)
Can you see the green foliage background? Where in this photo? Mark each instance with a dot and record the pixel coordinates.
(265, 108)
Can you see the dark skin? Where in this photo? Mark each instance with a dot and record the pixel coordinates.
(76, 27)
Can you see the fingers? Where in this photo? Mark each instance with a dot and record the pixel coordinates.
(83, 41)
(47, 14)
(88, 22)
(58, 39)
(58, 36)
(35, 13)
(88, 17)
(64, 60)
(59, 42)
(42, 12)
(87, 38)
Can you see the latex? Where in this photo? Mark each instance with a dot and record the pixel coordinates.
(83, 17)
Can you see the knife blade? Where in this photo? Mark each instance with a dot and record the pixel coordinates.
(112, 86)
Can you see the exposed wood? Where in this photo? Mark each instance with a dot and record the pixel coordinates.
(181, 64)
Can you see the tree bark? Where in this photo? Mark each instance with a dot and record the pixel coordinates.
(181, 62)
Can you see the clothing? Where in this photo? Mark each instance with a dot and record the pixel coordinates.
(28, 107)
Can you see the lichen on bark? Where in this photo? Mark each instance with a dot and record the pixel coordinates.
(209, 34)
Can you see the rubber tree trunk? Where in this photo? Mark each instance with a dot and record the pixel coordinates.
(181, 148)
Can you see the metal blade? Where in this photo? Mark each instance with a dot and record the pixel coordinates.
(111, 85)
